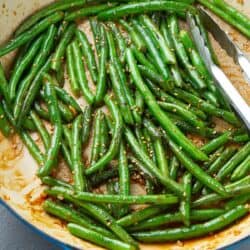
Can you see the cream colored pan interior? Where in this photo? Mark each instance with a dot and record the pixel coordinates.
(22, 190)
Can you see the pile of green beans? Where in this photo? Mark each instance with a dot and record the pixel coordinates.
(127, 109)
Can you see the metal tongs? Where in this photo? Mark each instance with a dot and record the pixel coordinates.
(224, 84)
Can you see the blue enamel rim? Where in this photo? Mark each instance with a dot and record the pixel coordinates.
(64, 246)
(44, 235)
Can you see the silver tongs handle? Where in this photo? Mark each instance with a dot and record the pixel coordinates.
(244, 64)
(233, 96)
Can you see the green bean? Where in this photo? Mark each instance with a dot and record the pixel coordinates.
(199, 64)
(61, 29)
(142, 7)
(186, 202)
(41, 129)
(186, 115)
(239, 131)
(176, 76)
(233, 12)
(154, 52)
(6, 112)
(124, 176)
(67, 134)
(37, 64)
(22, 51)
(149, 187)
(211, 98)
(104, 140)
(41, 112)
(127, 199)
(29, 124)
(95, 211)
(214, 144)
(68, 214)
(33, 91)
(167, 55)
(136, 38)
(237, 188)
(164, 219)
(165, 33)
(168, 98)
(61, 5)
(66, 113)
(123, 83)
(182, 54)
(61, 48)
(32, 147)
(173, 168)
(148, 176)
(161, 158)
(226, 16)
(156, 18)
(98, 238)
(156, 111)
(205, 106)
(102, 75)
(186, 127)
(154, 132)
(30, 34)
(120, 94)
(196, 171)
(80, 73)
(67, 98)
(140, 138)
(140, 57)
(211, 199)
(240, 200)
(112, 47)
(55, 117)
(153, 76)
(104, 176)
(150, 145)
(20, 68)
(95, 149)
(241, 182)
(241, 138)
(195, 230)
(26, 138)
(5, 127)
(74, 85)
(218, 158)
(241, 170)
(95, 28)
(59, 75)
(191, 49)
(215, 165)
(88, 11)
(113, 149)
(88, 54)
(51, 78)
(229, 167)
(139, 103)
(4, 85)
(50, 181)
(140, 215)
(204, 33)
(120, 41)
(67, 155)
(80, 181)
(87, 114)
(150, 166)
(113, 209)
